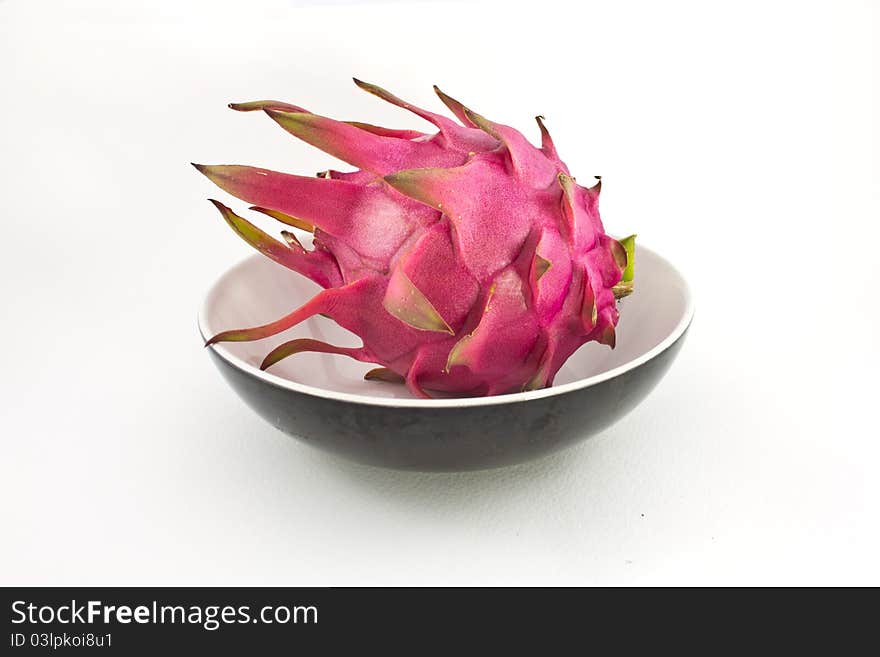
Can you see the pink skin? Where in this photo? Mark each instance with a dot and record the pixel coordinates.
(467, 261)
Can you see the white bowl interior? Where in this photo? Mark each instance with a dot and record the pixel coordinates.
(258, 291)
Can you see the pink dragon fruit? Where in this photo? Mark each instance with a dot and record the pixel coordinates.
(467, 260)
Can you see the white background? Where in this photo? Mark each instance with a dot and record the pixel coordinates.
(738, 139)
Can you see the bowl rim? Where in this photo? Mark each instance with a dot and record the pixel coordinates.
(455, 402)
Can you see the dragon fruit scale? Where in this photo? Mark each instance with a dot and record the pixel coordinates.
(467, 260)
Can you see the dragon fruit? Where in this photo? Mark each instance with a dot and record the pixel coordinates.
(467, 261)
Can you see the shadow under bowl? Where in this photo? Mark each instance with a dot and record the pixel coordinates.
(323, 400)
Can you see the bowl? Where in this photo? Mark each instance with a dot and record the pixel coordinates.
(322, 399)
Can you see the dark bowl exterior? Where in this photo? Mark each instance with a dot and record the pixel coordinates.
(447, 439)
